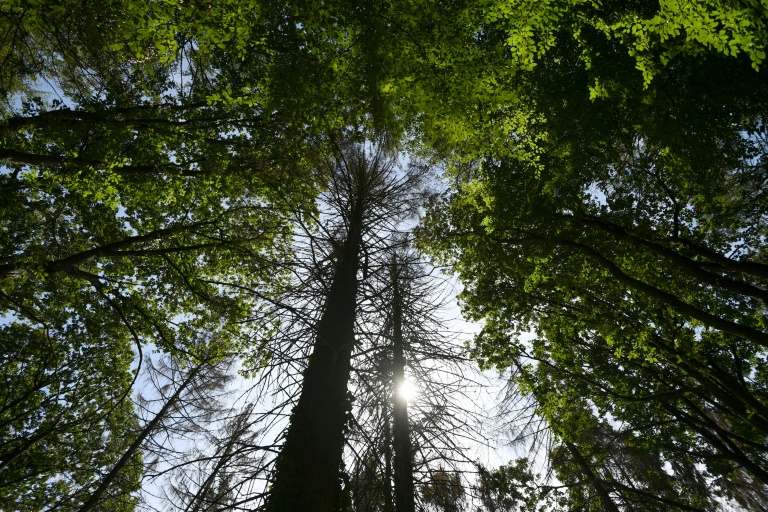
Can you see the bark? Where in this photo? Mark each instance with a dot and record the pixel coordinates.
(307, 471)
(404, 490)
(388, 501)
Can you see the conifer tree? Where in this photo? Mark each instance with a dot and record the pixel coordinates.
(364, 196)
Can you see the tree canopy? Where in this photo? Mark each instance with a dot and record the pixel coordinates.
(625, 227)
(605, 189)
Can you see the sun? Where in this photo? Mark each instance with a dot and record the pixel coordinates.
(407, 390)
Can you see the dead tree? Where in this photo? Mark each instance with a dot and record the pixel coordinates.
(365, 196)
(405, 338)
(403, 474)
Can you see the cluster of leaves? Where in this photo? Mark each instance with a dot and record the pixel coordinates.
(515, 487)
(629, 233)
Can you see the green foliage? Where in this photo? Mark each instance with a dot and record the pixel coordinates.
(609, 162)
(513, 487)
(66, 414)
(625, 225)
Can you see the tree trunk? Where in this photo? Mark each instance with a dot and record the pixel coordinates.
(387, 459)
(404, 490)
(307, 477)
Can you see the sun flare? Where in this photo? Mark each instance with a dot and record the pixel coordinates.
(407, 390)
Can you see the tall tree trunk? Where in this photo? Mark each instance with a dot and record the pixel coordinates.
(307, 477)
(387, 459)
(404, 490)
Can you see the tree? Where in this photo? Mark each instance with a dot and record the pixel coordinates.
(225, 466)
(405, 341)
(191, 400)
(403, 467)
(365, 195)
(597, 341)
(128, 199)
(624, 230)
